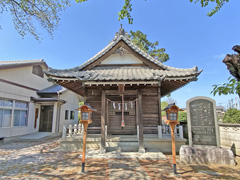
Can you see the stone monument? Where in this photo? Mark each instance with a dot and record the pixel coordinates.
(202, 122)
(203, 135)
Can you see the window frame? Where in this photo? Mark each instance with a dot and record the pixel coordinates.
(66, 114)
(13, 109)
(72, 115)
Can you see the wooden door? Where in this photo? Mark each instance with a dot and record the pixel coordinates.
(46, 119)
(114, 115)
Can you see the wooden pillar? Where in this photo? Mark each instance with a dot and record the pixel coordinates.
(85, 93)
(172, 126)
(159, 106)
(85, 125)
(137, 117)
(103, 114)
(140, 121)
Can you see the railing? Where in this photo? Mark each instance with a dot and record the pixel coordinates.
(164, 131)
(77, 130)
(72, 130)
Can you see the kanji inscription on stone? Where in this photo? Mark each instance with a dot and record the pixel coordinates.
(202, 122)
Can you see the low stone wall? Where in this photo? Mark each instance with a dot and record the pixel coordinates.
(230, 136)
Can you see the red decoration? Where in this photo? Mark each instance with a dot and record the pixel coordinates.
(122, 124)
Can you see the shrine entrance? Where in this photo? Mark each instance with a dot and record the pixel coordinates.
(121, 115)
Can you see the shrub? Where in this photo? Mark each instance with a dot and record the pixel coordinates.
(232, 116)
(182, 116)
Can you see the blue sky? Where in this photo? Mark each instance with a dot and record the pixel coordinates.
(190, 37)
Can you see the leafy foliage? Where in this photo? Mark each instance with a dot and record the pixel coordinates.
(125, 12)
(127, 8)
(164, 104)
(182, 116)
(219, 4)
(232, 116)
(140, 39)
(231, 87)
(26, 13)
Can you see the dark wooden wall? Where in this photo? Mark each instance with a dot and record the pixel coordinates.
(94, 99)
(150, 110)
(150, 106)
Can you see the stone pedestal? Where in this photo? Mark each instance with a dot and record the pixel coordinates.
(206, 155)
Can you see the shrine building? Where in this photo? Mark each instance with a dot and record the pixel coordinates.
(125, 85)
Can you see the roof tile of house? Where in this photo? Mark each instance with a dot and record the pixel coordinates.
(125, 37)
(3, 63)
(52, 89)
(121, 74)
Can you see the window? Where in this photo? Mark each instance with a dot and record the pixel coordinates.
(72, 115)
(5, 117)
(173, 116)
(13, 113)
(37, 70)
(66, 114)
(85, 115)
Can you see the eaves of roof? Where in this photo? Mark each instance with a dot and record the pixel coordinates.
(124, 74)
(54, 89)
(133, 47)
(21, 63)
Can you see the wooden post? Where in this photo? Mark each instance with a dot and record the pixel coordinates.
(108, 123)
(85, 125)
(172, 126)
(103, 111)
(159, 106)
(122, 122)
(140, 121)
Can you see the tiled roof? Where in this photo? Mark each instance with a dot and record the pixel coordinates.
(3, 63)
(121, 74)
(21, 63)
(52, 89)
(127, 40)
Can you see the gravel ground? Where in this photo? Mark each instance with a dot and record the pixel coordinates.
(43, 160)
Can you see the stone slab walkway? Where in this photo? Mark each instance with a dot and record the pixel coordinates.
(43, 160)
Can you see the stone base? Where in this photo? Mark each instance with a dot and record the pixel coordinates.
(141, 150)
(206, 155)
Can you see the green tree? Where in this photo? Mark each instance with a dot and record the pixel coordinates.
(164, 104)
(127, 8)
(218, 5)
(26, 13)
(232, 116)
(233, 85)
(140, 39)
(182, 116)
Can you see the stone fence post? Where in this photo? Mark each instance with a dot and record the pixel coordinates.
(160, 132)
(64, 133)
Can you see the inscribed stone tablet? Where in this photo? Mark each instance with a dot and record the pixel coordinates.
(202, 123)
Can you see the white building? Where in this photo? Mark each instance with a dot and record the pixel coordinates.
(30, 103)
